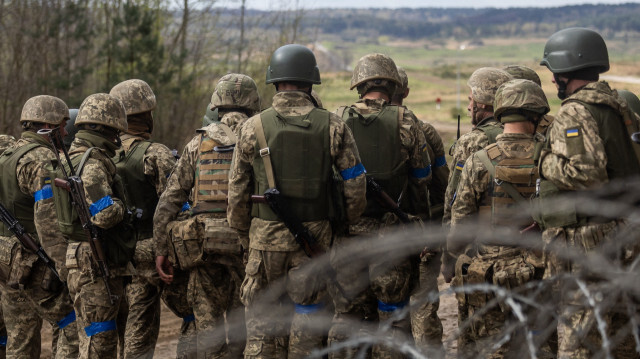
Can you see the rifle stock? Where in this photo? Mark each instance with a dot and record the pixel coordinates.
(385, 201)
(26, 240)
(73, 184)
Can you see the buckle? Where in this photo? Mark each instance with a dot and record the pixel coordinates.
(264, 152)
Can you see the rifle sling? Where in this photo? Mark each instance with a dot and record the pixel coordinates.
(508, 187)
(265, 153)
(84, 158)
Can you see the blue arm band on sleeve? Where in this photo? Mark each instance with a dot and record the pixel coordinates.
(353, 172)
(100, 205)
(45, 193)
(441, 161)
(421, 172)
(3, 341)
(185, 207)
(189, 318)
(70, 318)
(100, 327)
(390, 307)
(308, 309)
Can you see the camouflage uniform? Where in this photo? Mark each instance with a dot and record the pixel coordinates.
(576, 163)
(212, 284)
(143, 292)
(6, 141)
(275, 258)
(43, 294)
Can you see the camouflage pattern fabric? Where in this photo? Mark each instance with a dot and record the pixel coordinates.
(174, 296)
(275, 256)
(212, 284)
(426, 326)
(573, 164)
(473, 192)
(102, 109)
(6, 141)
(22, 327)
(3, 333)
(143, 292)
(236, 91)
(466, 145)
(44, 295)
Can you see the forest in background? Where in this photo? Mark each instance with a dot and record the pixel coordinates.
(72, 49)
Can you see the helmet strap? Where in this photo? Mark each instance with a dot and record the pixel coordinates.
(562, 86)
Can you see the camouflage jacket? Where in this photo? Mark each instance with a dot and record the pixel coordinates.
(414, 151)
(440, 171)
(273, 235)
(578, 162)
(475, 182)
(466, 145)
(98, 178)
(182, 180)
(6, 141)
(158, 161)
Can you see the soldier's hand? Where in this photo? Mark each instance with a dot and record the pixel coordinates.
(448, 267)
(164, 268)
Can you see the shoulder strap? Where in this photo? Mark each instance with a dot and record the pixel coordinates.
(340, 111)
(508, 187)
(400, 113)
(230, 134)
(84, 158)
(265, 153)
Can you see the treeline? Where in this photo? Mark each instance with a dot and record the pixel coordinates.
(72, 49)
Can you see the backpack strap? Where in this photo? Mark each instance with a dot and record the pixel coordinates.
(232, 136)
(83, 160)
(483, 156)
(340, 111)
(265, 153)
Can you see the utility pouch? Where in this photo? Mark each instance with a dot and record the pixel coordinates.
(561, 214)
(219, 238)
(8, 250)
(511, 273)
(186, 239)
(480, 271)
(21, 269)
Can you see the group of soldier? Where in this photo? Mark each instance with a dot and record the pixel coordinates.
(249, 235)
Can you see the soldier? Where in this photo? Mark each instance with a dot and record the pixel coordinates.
(100, 118)
(403, 163)
(213, 262)
(144, 166)
(425, 323)
(587, 146)
(519, 105)
(526, 73)
(6, 141)
(32, 289)
(300, 167)
(483, 83)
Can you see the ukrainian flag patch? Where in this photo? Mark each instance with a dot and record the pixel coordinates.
(573, 132)
(459, 166)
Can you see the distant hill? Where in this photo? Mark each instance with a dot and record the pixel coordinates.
(468, 23)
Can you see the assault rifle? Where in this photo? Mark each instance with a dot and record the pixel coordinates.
(25, 238)
(385, 201)
(73, 184)
(303, 237)
(453, 145)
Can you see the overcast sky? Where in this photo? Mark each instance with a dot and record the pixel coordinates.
(311, 4)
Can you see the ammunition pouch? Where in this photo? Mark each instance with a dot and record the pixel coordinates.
(9, 248)
(194, 238)
(561, 214)
(480, 271)
(21, 269)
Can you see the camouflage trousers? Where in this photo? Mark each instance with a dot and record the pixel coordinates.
(285, 305)
(139, 317)
(95, 313)
(3, 333)
(579, 336)
(425, 301)
(25, 308)
(174, 296)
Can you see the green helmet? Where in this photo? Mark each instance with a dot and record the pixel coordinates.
(293, 63)
(375, 70)
(484, 82)
(632, 100)
(70, 127)
(517, 98)
(523, 72)
(210, 116)
(136, 96)
(574, 49)
(102, 109)
(44, 109)
(236, 91)
(404, 82)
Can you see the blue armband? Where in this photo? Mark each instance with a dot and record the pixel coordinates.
(100, 327)
(353, 172)
(308, 309)
(100, 205)
(421, 172)
(45, 193)
(70, 318)
(441, 161)
(390, 307)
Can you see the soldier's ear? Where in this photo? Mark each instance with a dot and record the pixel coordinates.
(406, 93)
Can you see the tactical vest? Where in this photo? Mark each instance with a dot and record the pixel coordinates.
(142, 196)
(300, 154)
(512, 183)
(621, 162)
(378, 138)
(491, 131)
(211, 187)
(18, 203)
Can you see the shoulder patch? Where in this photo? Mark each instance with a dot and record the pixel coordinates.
(573, 132)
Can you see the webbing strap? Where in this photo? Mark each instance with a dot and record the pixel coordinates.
(83, 160)
(264, 153)
(228, 132)
(508, 187)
